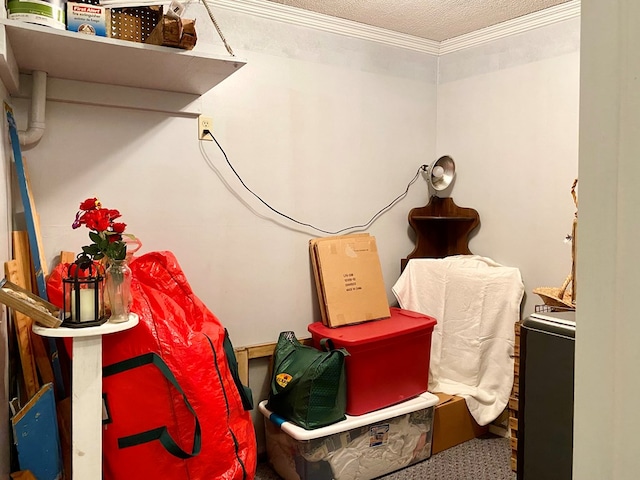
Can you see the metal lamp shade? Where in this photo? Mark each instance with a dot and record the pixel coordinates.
(441, 173)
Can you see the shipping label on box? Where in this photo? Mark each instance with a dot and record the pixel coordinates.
(379, 435)
(87, 19)
(349, 280)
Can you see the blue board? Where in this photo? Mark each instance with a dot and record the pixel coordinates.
(33, 239)
(35, 433)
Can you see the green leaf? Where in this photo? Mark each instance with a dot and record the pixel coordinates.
(117, 250)
(92, 249)
(95, 237)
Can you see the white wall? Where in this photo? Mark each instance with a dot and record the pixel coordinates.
(327, 129)
(607, 354)
(508, 115)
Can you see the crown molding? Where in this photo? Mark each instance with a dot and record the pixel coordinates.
(318, 21)
(542, 18)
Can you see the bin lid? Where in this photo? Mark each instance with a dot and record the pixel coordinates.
(422, 401)
(559, 323)
(401, 322)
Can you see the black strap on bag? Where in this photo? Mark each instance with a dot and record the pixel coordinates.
(326, 344)
(161, 433)
(245, 392)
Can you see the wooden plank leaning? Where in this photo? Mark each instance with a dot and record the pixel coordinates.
(22, 255)
(22, 327)
(35, 241)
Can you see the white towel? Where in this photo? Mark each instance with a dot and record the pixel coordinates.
(476, 303)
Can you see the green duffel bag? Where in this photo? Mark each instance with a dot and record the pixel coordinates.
(308, 385)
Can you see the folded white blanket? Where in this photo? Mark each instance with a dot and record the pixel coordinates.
(476, 303)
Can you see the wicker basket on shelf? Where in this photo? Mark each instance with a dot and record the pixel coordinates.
(558, 297)
(564, 297)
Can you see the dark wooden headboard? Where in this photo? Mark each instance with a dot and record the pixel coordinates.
(442, 228)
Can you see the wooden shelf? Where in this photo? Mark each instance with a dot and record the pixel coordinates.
(442, 228)
(26, 47)
(104, 329)
(443, 218)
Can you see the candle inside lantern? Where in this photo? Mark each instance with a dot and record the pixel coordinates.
(87, 305)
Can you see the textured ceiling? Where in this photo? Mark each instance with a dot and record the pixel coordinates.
(430, 19)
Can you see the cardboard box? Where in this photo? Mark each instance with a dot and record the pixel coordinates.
(354, 447)
(88, 19)
(376, 349)
(316, 273)
(348, 279)
(453, 424)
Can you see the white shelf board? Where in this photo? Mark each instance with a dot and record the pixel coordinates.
(98, 330)
(74, 56)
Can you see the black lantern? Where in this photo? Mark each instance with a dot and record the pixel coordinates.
(83, 294)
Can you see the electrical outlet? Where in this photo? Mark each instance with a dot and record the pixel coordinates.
(205, 124)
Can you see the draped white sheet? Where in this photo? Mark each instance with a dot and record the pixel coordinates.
(476, 303)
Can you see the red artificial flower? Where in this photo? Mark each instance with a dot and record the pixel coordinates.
(90, 204)
(106, 234)
(113, 214)
(118, 227)
(97, 220)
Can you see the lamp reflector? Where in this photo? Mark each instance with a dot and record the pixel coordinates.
(441, 173)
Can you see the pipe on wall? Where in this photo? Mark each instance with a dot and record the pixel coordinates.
(35, 129)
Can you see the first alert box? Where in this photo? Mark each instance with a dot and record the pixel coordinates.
(362, 447)
(87, 19)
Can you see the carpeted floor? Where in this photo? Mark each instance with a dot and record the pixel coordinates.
(486, 458)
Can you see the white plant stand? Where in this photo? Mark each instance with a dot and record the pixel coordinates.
(86, 394)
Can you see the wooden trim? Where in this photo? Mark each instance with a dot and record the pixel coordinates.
(242, 357)
(67, 257)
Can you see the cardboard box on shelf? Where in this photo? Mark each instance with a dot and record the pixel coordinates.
(348, 279)
(453, 424)
(174, 32)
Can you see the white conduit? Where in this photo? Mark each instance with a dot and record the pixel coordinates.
(35, 129)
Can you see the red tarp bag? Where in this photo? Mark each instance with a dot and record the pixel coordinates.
(174, 407)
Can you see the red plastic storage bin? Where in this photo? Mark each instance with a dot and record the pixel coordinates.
(388, 360)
